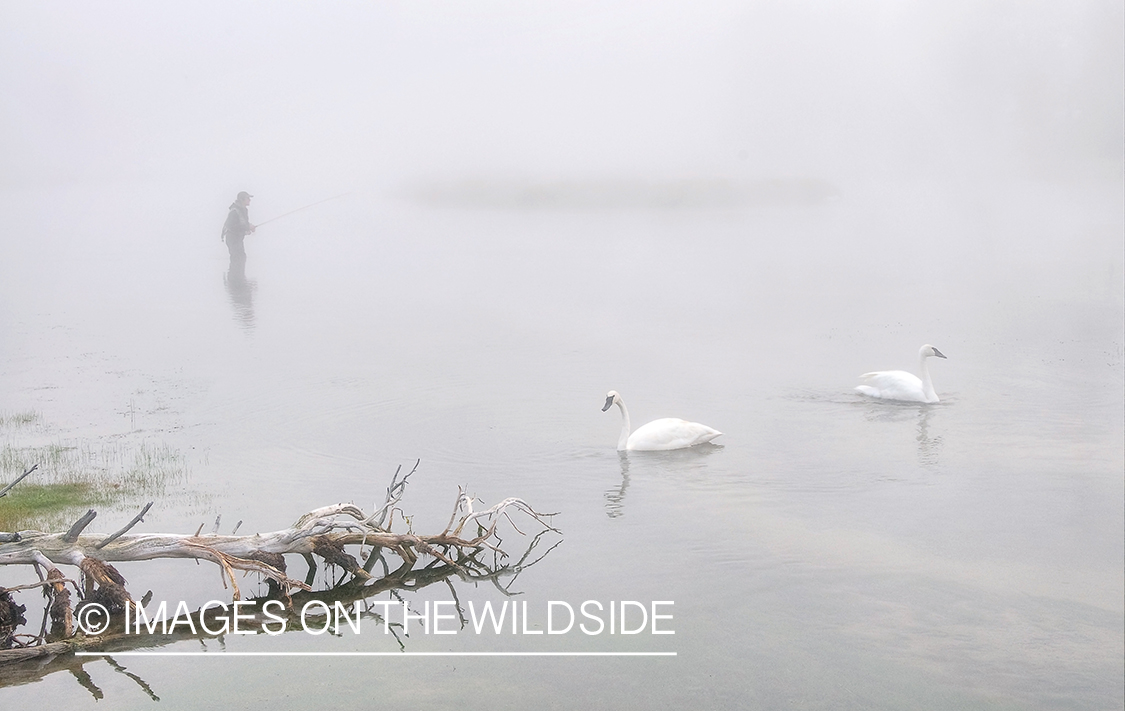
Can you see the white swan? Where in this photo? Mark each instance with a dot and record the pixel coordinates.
(666, 433)
(900, 385)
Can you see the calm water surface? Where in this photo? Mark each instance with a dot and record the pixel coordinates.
(832, 553)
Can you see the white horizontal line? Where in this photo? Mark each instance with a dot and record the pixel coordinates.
(375, 654)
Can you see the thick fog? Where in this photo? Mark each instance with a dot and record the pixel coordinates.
(346, 95)
(725, 211)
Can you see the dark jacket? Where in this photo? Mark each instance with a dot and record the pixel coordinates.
(238, 221)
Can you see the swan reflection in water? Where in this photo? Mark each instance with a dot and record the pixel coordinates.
(241, 292)
(615, 497)
(929, 446)
(679, 463)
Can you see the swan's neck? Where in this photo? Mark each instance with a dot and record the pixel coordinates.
(927, 384)
(623, 440)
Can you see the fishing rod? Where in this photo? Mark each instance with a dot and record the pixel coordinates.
(272, 219)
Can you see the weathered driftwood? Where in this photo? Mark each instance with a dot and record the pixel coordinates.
(322, 533)
(30, 664)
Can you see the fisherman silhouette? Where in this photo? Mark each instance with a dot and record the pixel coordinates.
(237, 226)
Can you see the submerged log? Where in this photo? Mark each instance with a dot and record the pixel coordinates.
(322, 534)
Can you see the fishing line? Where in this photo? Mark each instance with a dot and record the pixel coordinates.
(319, 202)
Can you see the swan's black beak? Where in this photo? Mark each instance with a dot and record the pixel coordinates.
(608, 404)
(939, 354)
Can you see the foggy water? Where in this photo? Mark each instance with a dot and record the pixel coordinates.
(832, 552)
(726, 212)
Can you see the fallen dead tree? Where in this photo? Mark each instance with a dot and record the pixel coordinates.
(53, 657)
(469, 547)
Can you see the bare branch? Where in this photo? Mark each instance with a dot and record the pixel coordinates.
(136, 519)
(72, 535)
(6, 489)
(394, 495)
(40, 584)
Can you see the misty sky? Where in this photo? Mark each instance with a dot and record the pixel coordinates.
(381, 93)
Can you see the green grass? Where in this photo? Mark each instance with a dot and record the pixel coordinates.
(43, 503)
(18, 419)
(75, 475)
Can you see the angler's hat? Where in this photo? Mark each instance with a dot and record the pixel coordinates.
(244, 194)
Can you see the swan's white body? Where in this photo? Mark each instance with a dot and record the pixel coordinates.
(900, 385)
(665, 433)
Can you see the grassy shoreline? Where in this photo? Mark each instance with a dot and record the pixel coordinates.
(77, 474)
